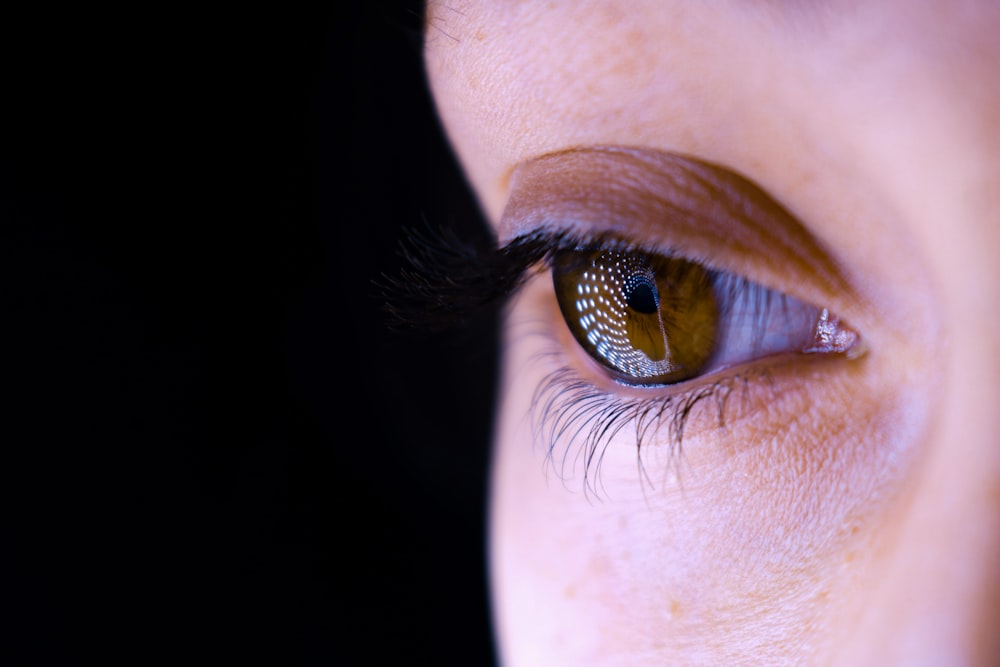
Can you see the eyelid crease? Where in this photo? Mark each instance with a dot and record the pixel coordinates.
(705, 212)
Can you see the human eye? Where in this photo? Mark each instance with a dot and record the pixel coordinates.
(639, 340)
(650, 319)
(660, 296)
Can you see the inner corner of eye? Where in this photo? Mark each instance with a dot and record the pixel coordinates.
(651, 319)
(833, 336)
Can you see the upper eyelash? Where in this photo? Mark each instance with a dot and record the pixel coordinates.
(448, 281)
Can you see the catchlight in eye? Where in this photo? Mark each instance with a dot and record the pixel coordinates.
(648, 318)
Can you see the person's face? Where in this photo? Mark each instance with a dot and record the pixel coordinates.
(831, 505)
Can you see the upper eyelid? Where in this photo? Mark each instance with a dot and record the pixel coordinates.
(669, 201)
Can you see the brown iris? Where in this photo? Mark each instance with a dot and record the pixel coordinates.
(649, 319)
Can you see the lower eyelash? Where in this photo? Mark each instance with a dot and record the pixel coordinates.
(581, 420)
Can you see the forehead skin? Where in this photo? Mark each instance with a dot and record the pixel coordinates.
(724, 80)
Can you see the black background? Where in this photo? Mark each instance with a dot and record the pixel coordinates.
(216, 451)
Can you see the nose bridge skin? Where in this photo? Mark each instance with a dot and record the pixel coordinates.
(934, 596)
(930, 146)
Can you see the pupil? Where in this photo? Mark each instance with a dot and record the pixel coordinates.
(642, 298)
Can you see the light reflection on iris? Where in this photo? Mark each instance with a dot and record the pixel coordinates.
(654, 319)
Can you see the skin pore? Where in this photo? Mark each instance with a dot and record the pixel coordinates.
(846, 511)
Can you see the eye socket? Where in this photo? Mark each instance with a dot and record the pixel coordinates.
(652, 319)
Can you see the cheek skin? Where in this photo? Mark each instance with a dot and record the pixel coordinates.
(742, 547)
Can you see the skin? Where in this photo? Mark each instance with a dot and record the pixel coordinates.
(849, 511)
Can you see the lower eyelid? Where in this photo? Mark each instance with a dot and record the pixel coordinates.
(703, 426)
(563, 348)
(575, 396)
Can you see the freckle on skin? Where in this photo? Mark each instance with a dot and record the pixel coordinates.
(675, 609)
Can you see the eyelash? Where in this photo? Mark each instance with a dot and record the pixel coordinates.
(449, 282)
(564, 402)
